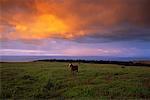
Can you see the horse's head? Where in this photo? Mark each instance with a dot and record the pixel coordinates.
(70, 65)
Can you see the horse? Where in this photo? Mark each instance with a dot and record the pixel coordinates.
(73, 68)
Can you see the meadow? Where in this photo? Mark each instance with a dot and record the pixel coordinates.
(53, 80)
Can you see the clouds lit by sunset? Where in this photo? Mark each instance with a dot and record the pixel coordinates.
(75, 27)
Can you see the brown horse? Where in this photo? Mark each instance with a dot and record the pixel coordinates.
(74, 68)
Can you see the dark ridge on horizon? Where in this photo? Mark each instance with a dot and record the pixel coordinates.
(125, 63)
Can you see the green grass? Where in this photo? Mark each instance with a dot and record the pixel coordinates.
(53, 80)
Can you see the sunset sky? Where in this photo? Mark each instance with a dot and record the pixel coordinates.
(75, 27)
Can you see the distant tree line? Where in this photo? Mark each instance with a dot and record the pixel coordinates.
(125, 63)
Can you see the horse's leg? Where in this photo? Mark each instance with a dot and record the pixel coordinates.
(73, 72)
(77, 70)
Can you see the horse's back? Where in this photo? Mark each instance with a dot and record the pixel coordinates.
(74, 68)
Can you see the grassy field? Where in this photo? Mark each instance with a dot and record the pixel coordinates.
(53, 80)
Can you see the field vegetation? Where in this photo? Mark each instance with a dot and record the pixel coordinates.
(53, 80)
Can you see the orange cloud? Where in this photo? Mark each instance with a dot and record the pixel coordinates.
(39, 19)
(41, 27)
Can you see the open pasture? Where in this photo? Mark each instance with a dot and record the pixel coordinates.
(53, 80)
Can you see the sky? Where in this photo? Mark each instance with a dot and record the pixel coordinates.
(75, 27)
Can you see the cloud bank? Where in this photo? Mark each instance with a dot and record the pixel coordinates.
(82, 21)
